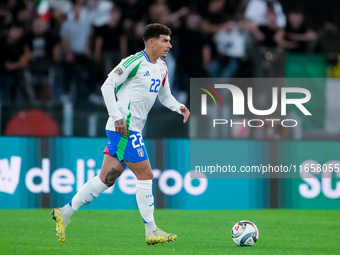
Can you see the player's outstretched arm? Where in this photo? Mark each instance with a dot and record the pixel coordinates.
(185, 112)
(168, 100)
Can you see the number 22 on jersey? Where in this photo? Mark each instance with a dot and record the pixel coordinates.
(154, 85)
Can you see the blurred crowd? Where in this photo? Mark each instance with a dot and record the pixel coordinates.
(62, 50)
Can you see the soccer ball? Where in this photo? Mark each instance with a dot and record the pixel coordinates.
(244, 233)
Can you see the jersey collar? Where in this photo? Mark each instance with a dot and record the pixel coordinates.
(146, 56)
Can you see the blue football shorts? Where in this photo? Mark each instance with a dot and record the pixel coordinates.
(130, 148)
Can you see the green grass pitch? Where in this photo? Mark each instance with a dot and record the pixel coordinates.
(199, 232)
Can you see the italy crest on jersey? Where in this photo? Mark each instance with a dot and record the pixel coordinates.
(140, 152)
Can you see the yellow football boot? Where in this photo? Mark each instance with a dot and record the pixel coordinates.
(159, 236)
(61, 222)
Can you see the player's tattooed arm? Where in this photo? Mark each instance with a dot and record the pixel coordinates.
(120, 126)
(111, 177)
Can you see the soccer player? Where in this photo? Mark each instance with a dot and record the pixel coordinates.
(129, 93)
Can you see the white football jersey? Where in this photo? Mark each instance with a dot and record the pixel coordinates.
(131, 90)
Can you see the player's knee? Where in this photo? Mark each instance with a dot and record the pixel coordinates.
(147, 175)
(111, 177)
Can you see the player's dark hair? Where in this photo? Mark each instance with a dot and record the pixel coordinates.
(154, 30)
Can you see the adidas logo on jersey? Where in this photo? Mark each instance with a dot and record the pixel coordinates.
(147, 73)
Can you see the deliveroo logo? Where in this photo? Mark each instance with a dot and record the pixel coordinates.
(9, 174)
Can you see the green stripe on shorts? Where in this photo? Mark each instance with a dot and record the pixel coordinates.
(124, 139)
